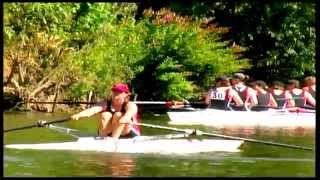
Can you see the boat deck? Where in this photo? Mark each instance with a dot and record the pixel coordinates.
(222, 119)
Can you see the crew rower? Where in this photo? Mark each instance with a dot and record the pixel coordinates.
(310, 85)
(265, 99)
(282, 97)
(247, 94)
(302, 98)
(220, 96)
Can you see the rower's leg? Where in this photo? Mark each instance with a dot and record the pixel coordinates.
(119, 129)
(105, 124)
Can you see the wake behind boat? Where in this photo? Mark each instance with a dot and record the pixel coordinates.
(140, 144)
(222, 118)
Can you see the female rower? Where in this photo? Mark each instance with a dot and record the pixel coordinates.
(265, 99)
(282, 97)
(310, 85)
(117, 114)
(220, 96)
(301, 97)
(247, 94)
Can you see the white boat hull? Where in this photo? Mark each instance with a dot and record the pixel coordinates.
(221, 119)
(134, 145)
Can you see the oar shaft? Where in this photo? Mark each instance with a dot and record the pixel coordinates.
(39, 123)
(58, 121)
(20, 128)
(81, 102)
(255, 141)
(136, 102)
(198, 132)
(60, 102)
(165, 127)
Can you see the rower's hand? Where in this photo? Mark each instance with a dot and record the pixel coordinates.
(175, 104)
(124, 121)
(75, 117)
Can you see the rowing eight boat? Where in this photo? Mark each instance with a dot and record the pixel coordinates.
(222, 118)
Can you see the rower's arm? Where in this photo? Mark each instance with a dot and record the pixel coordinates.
(88, 112)
(207, 99)
(310, 99)
(236, 98)
(273, 102)
(253, 97)
(290, 99)
(131, 110)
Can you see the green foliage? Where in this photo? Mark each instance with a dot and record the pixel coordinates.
(34, 38)
(152, 51)
(280, 36)
(183, 59)
(110, 58)
(293, 55)
(82, 47)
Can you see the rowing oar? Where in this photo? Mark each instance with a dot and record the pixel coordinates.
(83, 102)
(136, 102)
(201, 133)
(39, 123)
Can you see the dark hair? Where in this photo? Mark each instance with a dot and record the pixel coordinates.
(277, 84)
(261, 84)
(240, 76)
(294, 82)
(222, 78)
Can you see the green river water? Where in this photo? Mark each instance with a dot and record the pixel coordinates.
(254, 160)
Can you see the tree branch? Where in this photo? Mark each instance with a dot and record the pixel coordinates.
(44, 86)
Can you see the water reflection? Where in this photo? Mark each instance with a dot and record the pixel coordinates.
(107, 164)
(249, 131)
(121, 164)
(235, 131)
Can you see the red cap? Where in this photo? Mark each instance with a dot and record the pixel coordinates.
(120, 87)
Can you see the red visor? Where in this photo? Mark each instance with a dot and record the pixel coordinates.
(120, 88)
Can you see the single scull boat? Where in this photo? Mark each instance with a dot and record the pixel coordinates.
(163, 144)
